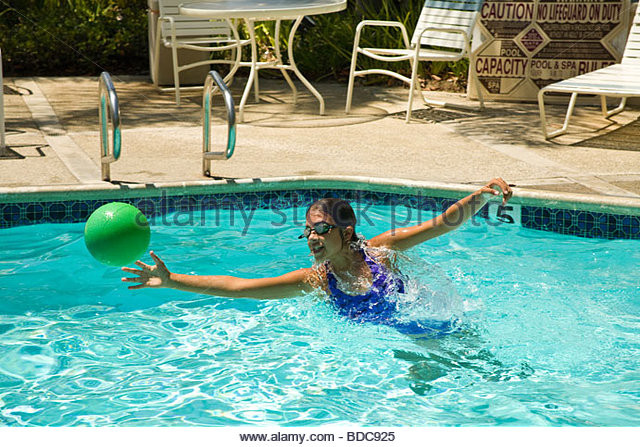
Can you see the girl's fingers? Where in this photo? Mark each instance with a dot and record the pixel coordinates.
(157, 260)
(144, 276)
(497, 186)
(504, 186)
(142, 265)
(499, 183)
(490, 190)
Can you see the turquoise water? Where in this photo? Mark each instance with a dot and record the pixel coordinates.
(550, 334)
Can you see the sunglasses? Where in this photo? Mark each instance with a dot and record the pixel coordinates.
(319, 228)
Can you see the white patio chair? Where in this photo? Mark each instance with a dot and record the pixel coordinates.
(177, 31)
(443, 33)
(617, 81)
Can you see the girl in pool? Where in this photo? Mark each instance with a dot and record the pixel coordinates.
(358, 275)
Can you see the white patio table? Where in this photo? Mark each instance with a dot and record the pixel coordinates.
(252, 11)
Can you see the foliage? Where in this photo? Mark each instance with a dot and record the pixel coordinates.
(85, 37)
(58, 37)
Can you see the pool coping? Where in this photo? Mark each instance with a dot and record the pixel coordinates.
(569, 201)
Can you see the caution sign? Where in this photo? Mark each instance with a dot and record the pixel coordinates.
(522, 46)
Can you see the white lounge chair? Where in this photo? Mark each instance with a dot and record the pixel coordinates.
(177, 31)
(443, 33)
(617, 81)
(2, 140)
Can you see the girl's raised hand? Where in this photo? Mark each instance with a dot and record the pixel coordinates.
(148, 275)
(497, 186)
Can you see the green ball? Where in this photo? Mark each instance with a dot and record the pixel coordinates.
(117, 234)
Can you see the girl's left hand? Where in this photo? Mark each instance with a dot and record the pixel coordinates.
(497, 186)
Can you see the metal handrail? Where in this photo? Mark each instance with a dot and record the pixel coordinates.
(2, 141)
(208, 155)
(108, 96)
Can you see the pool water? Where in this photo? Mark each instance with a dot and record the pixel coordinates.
(550, 333)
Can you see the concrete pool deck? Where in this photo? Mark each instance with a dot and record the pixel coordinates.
(53, 139)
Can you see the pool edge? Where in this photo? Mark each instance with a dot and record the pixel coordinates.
(572, 201)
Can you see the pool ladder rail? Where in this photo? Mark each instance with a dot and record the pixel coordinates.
(109, 110)
(213, 77)
(3, 146)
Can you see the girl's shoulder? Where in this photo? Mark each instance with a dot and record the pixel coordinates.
(317, 276)
(380, 254)
(383, 256)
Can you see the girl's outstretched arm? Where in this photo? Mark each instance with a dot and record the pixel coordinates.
(456, 215)
(158, 276)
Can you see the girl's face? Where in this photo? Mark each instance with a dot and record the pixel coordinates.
(325, 246)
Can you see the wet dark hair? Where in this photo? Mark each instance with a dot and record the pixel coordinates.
(339, 210)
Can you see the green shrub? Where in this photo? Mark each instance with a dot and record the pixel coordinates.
(74, 37)
(85, 37)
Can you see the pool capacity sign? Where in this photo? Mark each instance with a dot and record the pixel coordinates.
(522, 46)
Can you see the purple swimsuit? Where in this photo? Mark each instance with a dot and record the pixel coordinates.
(375, 306)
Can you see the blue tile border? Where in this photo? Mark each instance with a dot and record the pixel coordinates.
(581, 223)
(589, 224)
